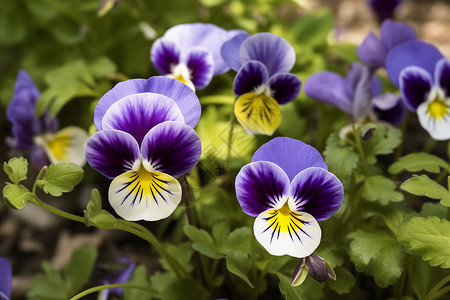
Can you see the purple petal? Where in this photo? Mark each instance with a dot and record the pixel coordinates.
(395, 33)
(330, 88)
(261, 186)
(208, 36)
(164, 55)
(121, 276)
(201, 66)
(284, 86)
(384, 9)
(273, 51)
(231, 49)
(412, 53)
(138, 113)
(317, 192)
(376, 87)
(371, 51)
(415, 84)
(172, 148)
(362, 95)
(291, 155)
(5, 277)
(184, 97)
(112, 152)
(389, 108)
(442, 75)
(251, 76)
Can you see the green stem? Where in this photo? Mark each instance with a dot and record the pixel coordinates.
(441, 292)
(111, 286)
(360, 150)
(230, 147)
(57, 211)
(38, 178)
(266, 268)
(432, 294)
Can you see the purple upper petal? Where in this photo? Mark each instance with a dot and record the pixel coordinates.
(5, 277)
(442, 75)
(291, 155)
(112, 152)
(252, 75)
(138, 113)
(330, 88)
(390, 108)
(261, 186)
(172, 148)
(201, 66)
(184, 97)
(231, 50)
(415, 84)
(273, 51)
(208, 36)
(395, 33)
(360, 77)
(165, 55)
(412, 53)
(371, 51)
(384, 9)
(284, 86)
(317, 192)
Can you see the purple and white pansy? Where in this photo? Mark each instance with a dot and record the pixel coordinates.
(146, 139)
(40, 136)
(288, 188)
(359, 94)
(263, 82)
(423, 75)
(190, 53)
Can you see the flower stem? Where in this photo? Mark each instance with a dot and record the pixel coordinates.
(111, 286)
(360, 150)
(434, 292)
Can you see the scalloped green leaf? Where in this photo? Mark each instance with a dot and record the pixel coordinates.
(416, 162)
(424, 186)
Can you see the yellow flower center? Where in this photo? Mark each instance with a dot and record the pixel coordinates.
(285, 220)
(437, 108)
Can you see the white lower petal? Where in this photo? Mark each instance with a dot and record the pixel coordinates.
(285, 232)
(437, 126)
(144, 195)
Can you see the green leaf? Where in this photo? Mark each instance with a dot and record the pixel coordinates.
(79, 268)
(48, 283)
(379, 253)
(383, 141)
(238, 263)
(308, 290)
(381, 189)
(16, 196)
(202, 242)
(313, 29)
(416, 162)
(138, 278)
(429, 237)
(181, 253)
(185, 289)
(94, 215)
(336, 152)
(424, 186)
(238, 240)
(61, 178)
(16, 169)
(344, 281)
(434, 209)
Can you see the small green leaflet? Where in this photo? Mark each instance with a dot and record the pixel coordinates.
(416, 162)
(381, 189)
(424, 186)
(60, 178)
(16, 169)
(340, 157)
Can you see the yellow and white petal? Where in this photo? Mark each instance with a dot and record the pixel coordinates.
(144, 195)
(258, 114)
(434, 116)
(285, 232)
(66, 145)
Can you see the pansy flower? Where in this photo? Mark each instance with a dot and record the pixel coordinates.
(191, 53)
(373, 50)
(288, 188)
(39, 136)
(5, 279)
(263, 82)
(146, 140)
(423, 76)
(384, 9)
(122, 271)
(359, 95)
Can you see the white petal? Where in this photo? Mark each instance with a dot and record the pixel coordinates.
(437, 127)
(287, 233)
(144, 195)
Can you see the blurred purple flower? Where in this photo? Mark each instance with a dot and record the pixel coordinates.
(384, 9)
(120, 274)
(423, 75)
(359, 95)
(39, 136)
(263, 82)
(191, 53)
(145, 140)
(288, 188)
(373, 50)
(5, 279)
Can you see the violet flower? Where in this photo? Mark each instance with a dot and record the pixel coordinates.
(263, 82)
(373, 50)
(288, 188)
(39, 136)
(191, 53)
(384, 9)
(5, 279)
(359, 95)
(118, 276)
(145, 140)
(423, 76)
